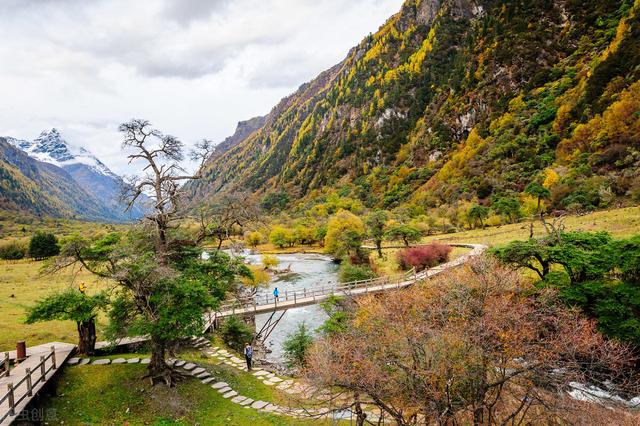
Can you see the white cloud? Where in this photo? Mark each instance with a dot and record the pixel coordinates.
(192, 67)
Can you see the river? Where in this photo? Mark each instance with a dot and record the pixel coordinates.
(308, 270)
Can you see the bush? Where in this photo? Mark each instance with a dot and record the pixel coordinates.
(423, 257)
(270, 261)
(43, 245)
(254, 239)
(349, 272)
(236, 333)
(296, 345)
(13, 250)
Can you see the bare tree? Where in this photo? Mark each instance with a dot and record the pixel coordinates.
(230, 210)
(161, 155)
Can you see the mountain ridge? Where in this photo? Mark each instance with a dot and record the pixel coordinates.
(87, 188)
(451, 100)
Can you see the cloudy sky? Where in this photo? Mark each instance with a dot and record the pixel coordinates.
(194, 68)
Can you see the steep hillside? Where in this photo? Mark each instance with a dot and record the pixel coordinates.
(91, 175)
(461, 100)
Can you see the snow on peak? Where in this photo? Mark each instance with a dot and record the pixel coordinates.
(51, 147)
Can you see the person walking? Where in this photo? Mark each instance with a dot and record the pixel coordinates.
(248, 355)
(276, 294)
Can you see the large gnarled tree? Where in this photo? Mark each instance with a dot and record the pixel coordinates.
(163, 283)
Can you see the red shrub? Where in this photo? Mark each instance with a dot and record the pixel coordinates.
(423, 257)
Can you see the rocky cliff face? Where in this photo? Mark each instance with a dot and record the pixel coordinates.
(449, 100)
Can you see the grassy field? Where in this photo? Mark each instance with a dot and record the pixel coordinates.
(118, 394)
(21, 284)
(618, 222)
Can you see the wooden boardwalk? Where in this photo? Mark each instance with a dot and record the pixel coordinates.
(28, 377)
(287, 300)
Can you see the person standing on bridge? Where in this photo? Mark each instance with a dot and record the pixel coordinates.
(276, 294)
(248, 355)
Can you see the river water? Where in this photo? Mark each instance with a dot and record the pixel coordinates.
(308, 270)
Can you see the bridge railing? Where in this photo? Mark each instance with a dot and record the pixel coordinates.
(313, 293)
(29, 381)
(369, 285)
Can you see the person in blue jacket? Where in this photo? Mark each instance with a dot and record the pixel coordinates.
(276, 294)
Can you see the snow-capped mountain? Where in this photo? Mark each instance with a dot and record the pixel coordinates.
(51, 148)
(93, 176)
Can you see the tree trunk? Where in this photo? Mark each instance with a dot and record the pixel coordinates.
(361, 416)
(86, 337)
(379, 248)
(159, 371)
(478, 416)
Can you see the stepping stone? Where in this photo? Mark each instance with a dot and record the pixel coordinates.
(275, 379)
(285, 385)
(203, 375)
(247, 402)
(238, 399)
(259, 405)
(230, 394)
(208, 380)
(215, 348)
(225, 389)
(179, 363)
(119, 361)
(236, 360)
(198, 370)
(219, 385)
(133, 360)
(145, 361)
(189, 366)
(260, 373)
(103, 361)
(73, 361)
(268, 383)
(84, 361)
(270, 408)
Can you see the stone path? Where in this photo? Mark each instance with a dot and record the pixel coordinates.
(223, 356)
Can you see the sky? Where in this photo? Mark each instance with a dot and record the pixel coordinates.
(194, 68)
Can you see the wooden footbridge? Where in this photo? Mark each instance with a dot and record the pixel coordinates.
(293, 299)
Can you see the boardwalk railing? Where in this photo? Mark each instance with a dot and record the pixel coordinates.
(15, 393)
(294, 296)
(5, 366)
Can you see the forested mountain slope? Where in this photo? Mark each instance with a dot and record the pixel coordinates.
(459, 100)
(31, 186)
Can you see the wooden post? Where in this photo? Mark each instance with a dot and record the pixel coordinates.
(294, 298)
(43, 371)
(12, 403)
(29, 384)
(286, 295)
(7, 366)
(53, 356)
